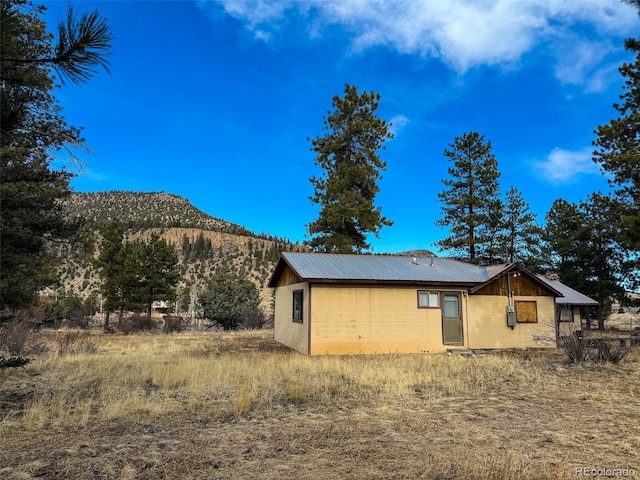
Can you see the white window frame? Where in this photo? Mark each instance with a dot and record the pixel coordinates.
(428, 299)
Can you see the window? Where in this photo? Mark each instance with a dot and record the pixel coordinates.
(527, 311)
(566, 315)
(428, 299)
(297, 305)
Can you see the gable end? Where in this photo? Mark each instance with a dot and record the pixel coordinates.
(522, 285)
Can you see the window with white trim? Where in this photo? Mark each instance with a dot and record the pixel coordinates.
(428, 299)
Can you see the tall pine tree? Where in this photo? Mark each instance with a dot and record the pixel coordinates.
(471, 190)
(520, 239)
(582, 242)
(32, 128)
(111, 264)
(618, 150)
(348, 154)
(156, 272)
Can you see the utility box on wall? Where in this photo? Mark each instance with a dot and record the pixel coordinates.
(511, 316)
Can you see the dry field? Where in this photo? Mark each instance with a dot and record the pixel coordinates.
(236, 406)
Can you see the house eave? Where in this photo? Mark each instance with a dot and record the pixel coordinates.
(361, 281)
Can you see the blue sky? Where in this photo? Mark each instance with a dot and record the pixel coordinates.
(215, 100)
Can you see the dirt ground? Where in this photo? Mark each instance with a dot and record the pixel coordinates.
(565, 418)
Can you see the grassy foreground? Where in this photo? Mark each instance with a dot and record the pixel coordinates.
(236, 405)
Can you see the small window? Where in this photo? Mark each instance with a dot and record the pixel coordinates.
(297, 306)
(428, 299)
(527, 311)
(566, 315)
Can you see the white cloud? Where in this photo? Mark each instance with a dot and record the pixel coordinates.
(562, 166)
(398, 122)
(462, 33)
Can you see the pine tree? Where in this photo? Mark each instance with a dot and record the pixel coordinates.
(618, 149)
(186, 249)
(32, 127)
(111, 265)
(228, 299)
(157, 272)
(471, 190)
(491, 251)
(520, 241)
(582, 242)
(348, 154)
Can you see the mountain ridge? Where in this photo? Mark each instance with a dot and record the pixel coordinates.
(203, 243)
(139, 210)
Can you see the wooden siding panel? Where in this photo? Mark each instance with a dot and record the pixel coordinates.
(288, 277)
(521, 285)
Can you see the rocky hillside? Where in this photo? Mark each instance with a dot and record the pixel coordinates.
(141, 210)
(203, 243)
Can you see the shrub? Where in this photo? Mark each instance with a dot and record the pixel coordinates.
(588, 347)
(13, 362)
(15, 336)
(254, 319)
(172, 323)
(138, 323)
(573, 345)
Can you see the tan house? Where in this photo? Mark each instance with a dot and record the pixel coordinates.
(350, 304)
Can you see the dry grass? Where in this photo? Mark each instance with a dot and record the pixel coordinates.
(221, 405)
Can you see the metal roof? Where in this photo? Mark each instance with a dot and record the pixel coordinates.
(382, 269)
(569, 295)
(394, 269)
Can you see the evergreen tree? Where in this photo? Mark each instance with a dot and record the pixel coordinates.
(32, 127)
(491, 251)
(470, 192)
(157, 273)
(618, 150)
(186, 248)
(582, 242)
(520, 241)
(228, 299)
(135, 274)
(199, 248)
(111, 265)
(348, 154)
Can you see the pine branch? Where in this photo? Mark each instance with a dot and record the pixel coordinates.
(82, 47)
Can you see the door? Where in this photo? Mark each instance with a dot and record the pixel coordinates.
(451, 319)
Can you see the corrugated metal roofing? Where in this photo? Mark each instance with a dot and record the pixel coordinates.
(383, 268)
(570, 296)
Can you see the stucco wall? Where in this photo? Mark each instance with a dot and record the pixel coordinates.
(286, 331)
(371, 319)
(353, 319)
(488, 323)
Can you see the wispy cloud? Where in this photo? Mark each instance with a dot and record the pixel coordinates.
(398, 122)
(463, 34)
(564, 166)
